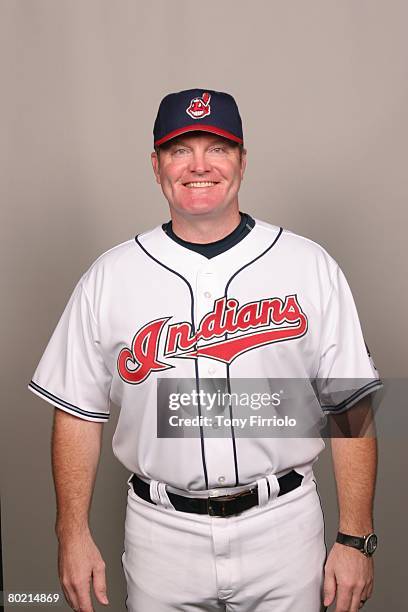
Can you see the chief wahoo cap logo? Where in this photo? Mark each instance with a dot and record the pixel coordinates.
(199, 107)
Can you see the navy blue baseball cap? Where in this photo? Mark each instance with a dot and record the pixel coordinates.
(202, 110)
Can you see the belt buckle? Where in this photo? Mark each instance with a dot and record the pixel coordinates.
(222, 502)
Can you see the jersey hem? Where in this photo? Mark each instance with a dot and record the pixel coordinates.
(66, 406)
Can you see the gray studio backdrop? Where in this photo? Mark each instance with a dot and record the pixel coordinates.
(323, 91)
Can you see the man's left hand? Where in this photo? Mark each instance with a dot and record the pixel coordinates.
(349, 577)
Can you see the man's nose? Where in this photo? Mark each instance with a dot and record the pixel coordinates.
(199, 163)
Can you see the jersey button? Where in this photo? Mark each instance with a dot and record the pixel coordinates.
(221, 479)
(207, 294)
(212, 370)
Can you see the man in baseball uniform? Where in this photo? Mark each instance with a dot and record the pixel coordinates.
(215, 521)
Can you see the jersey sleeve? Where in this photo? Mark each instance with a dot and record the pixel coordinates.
(72, 374)
(346, 371)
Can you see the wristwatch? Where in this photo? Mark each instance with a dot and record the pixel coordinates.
(366, 544)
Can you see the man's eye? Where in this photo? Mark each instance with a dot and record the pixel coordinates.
(179, 151)
(218, 149)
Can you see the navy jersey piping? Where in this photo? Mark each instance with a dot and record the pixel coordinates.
(363, 391)
(237, 483)
(64, 404)
(195, 359)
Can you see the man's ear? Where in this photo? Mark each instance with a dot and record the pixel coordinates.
(243, 162)
(156, 166)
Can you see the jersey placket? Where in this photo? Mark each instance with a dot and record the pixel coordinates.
(218, 448)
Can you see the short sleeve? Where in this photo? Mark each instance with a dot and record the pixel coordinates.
(72, 374)
(346, 371)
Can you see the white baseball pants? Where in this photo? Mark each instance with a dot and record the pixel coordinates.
(267, 559)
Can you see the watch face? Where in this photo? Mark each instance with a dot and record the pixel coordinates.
(371, 544)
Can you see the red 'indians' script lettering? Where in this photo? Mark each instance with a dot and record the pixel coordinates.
(135, 364)
(143, 354)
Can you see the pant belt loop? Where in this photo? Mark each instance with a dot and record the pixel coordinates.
(164, 498)
(274, 487)
(154, 493)
(262, 492)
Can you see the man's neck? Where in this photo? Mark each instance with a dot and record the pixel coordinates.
(205, 229)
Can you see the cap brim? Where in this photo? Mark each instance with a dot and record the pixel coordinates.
(198, 127)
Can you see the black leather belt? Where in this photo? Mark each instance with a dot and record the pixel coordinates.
(225, 505)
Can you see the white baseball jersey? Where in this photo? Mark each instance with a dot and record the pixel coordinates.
(275, 305)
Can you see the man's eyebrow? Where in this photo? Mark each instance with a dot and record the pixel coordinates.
(178, 143)
(221, 141)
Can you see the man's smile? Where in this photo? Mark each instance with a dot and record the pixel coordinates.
(200, 184)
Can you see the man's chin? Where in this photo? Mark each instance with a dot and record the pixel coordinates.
(200, 206)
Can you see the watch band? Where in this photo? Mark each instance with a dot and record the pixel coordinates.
(365, 544)
(348, 540)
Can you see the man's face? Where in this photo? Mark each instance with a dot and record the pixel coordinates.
(200, 174)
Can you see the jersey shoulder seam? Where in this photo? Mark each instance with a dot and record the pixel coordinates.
(289, 233)
(88, 302)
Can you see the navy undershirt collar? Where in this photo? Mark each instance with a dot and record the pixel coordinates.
(211, 249)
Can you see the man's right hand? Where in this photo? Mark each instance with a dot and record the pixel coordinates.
(79, 564)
